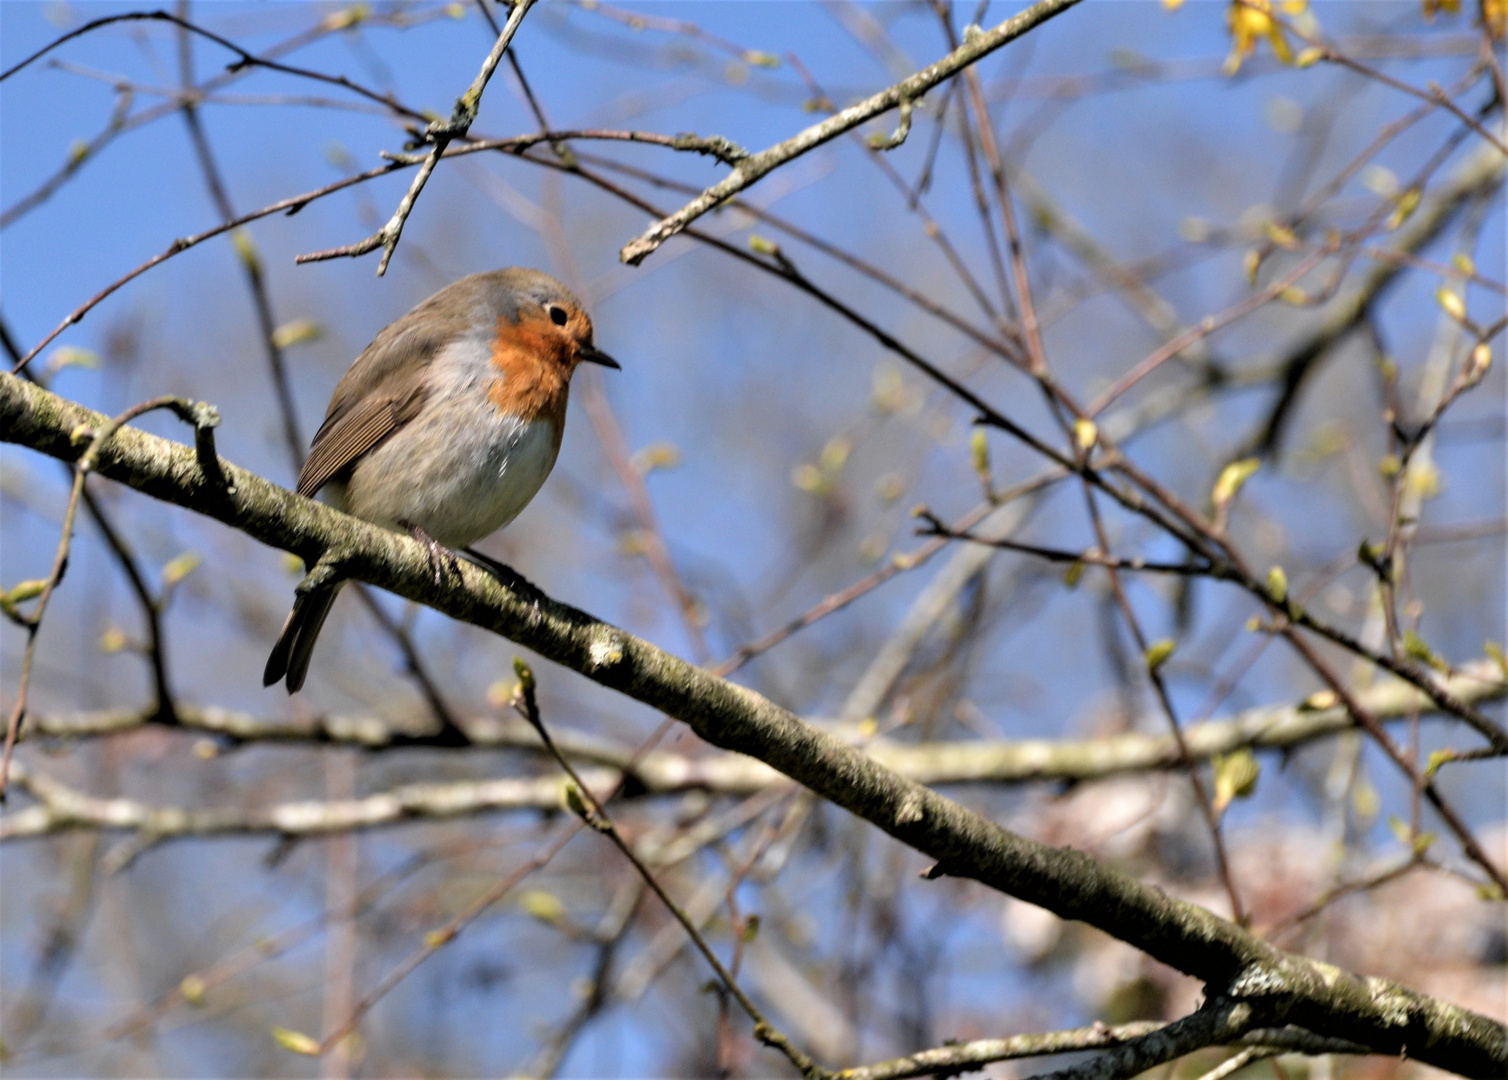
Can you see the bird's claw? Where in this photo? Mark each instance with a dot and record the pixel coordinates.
(443, 562)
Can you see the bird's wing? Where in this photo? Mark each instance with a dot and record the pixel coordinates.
(339, 444)
(386, 386)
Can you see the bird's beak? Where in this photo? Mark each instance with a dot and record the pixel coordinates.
(597, 356)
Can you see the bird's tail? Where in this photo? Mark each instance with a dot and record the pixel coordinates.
(295, 645)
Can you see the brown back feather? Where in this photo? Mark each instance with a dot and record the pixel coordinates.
(385, 387)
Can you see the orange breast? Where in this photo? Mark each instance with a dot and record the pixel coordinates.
(535, 372)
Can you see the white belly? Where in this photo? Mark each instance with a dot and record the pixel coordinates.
(459, 470)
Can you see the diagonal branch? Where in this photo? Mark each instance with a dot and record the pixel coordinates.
(1385, 1016)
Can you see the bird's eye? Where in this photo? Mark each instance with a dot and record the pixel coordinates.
(557, 315)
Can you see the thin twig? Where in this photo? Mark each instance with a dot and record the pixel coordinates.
(188, 411)
(592, 812)
(440, 135)
(756, 166)
(245, 60)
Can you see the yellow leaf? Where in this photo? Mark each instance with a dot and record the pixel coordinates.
(1452, 303)
(1424, 479)
(835, 453)
(1277, 584)
(1232, 477)
(660, 455)
(297, 332)
(1280, 235)
(437, 938)
(809, 479)
(1251, 264)
(192, 988)
(1309, 57)
(756, 58)
(1172, 5)
(525, 674)
(544, 906)
(1320, 700)
(348, 17)
(296, 1041)
(1416, 647)
(1408, 202)
(112, 641)
(1494, 650)
(1250, 21)
(761, 246)
(1389, 465)
(979, 452)
(1235, 777)
(1479, 365)
(751, 928)
(1074, 573)
(66, 356)
(1085, 434)
(179, 568)
(1437, 759)
(1365, 800)
(574, 801)
(500, 693)
(1159, 652)
(1463, 262)
(23, 591)
(1400, 830)
(246, 248)
(1495, 18)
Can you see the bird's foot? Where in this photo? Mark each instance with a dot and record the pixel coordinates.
(442, 561)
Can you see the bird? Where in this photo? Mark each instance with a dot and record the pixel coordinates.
(445, 427)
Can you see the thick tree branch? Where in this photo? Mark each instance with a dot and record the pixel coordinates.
(1382, 1015)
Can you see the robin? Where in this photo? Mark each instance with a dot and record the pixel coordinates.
(444, 427)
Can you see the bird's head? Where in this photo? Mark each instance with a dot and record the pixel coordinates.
(549, 316)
